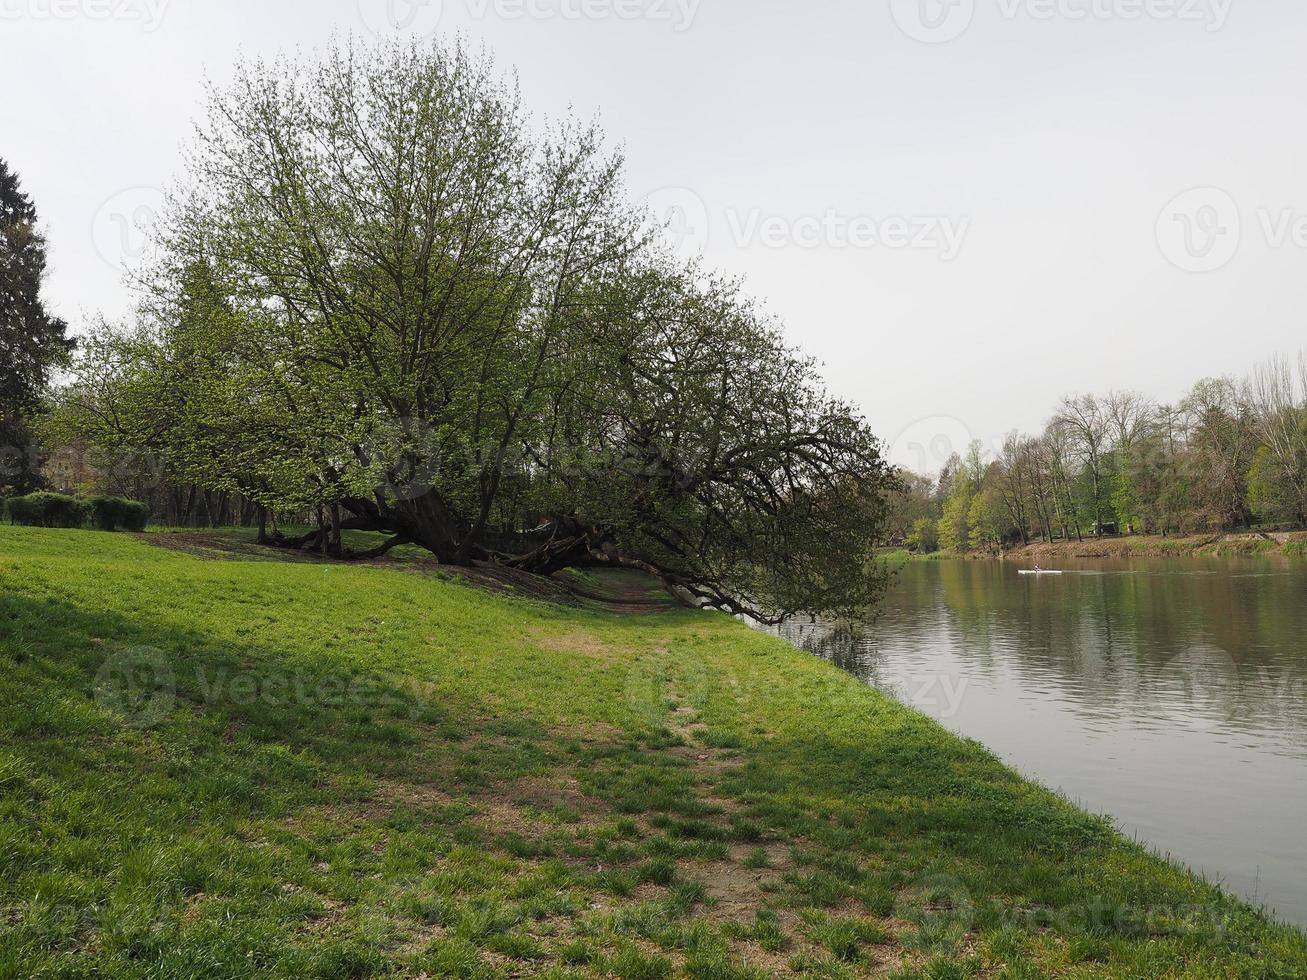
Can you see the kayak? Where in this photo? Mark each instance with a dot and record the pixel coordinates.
(1036, 571)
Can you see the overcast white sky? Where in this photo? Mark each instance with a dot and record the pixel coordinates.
(965, 208)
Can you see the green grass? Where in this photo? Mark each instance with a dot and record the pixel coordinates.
(899, 556)
(228, 768)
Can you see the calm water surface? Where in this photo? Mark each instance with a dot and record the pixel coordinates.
(1171, 695)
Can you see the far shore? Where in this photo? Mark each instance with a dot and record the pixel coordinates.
(1289, 544)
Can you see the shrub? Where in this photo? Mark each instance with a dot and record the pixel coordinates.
(112, 513)
(64, 511)
(135, 515)
(23, 510)
(106, 513)
(47, 510)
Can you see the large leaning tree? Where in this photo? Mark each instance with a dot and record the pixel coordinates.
(383, 295)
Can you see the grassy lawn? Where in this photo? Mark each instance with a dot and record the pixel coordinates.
(240, 767)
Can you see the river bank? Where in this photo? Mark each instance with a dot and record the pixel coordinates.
(1292, 544)
(215, 765)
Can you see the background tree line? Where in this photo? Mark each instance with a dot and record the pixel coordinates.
(34, 349)
(33, 344)
(1231, 454)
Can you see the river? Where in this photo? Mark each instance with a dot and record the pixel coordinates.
(1170, 695)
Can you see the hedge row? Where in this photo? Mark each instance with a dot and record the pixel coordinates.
(60, 510)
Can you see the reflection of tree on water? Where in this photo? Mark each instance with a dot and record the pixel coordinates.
(859, 650)
(1172, 642)
(842, 644)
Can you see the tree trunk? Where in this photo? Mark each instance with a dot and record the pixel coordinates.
(378, 551)
(555, 556)
(334, 543)
(424, 520)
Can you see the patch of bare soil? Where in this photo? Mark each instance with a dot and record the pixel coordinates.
(736, 891)
(574, 641)
(623, 591)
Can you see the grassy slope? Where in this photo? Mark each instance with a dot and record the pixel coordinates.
(372, 772)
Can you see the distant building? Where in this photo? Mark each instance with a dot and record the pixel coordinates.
(69, 469)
